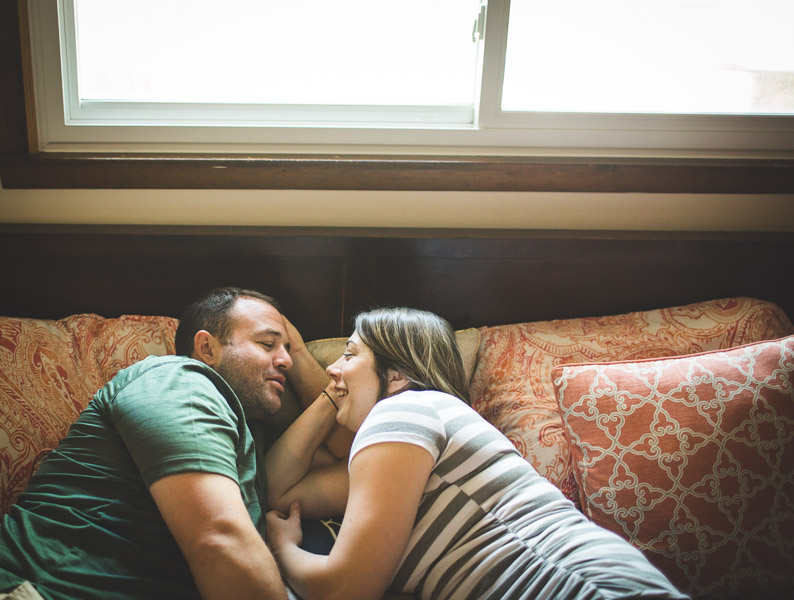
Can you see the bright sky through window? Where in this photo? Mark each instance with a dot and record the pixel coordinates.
(650, 56)
(348, 52)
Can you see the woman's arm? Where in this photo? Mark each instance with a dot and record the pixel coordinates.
(386, 485)
(298, 469)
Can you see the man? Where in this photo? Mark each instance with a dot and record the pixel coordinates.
(154, 492)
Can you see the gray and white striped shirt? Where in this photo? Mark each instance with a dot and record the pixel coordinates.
(488, 525)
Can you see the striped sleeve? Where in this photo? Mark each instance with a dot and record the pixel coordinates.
(406, 418)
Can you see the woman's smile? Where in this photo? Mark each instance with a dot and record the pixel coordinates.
(355, 383)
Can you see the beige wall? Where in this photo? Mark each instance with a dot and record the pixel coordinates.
(522, 210)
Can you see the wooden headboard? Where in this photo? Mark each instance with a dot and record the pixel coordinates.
(323, 278)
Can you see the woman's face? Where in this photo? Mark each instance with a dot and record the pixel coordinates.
(356, 383)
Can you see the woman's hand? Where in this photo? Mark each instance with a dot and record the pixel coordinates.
(283, 530)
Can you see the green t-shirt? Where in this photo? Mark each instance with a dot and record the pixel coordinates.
(87, 527)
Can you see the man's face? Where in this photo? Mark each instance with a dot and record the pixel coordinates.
(255, 357)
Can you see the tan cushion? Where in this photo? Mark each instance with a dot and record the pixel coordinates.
(691, 459)
(512, 386)
(326, 351)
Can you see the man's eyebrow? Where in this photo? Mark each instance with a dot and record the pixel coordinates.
(269, 331)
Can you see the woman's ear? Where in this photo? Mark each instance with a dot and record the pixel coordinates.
(207, 349)
(397, 382)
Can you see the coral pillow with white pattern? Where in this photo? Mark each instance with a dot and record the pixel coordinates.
(691, 459)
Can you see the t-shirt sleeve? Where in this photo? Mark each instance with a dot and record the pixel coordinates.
(406, 418)
(173, 419)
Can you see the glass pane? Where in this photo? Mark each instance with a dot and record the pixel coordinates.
(389, 52)
(650, 56)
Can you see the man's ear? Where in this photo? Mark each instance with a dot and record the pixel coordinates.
(207, 348)
(397, 382)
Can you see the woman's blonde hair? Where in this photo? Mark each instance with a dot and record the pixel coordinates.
(419, 344)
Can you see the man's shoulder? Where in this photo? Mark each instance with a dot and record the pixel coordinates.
(163, 371)
(169, 362)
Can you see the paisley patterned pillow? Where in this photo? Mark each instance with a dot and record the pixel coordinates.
(691, 459)
(50, 370)
(512, 386)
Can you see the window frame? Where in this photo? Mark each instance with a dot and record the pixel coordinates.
(416, 129)
(659, 134)
(23, 165)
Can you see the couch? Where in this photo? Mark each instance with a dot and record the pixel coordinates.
(672, 427)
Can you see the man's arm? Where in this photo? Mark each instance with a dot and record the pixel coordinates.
(308, 379)
(228, 558)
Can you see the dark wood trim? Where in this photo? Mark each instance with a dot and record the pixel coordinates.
(323, 278)
(434, 233)
(446, 173)
(26, 64)
(20, 168)
(13, 123)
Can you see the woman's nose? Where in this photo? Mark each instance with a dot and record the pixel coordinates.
(333, 369)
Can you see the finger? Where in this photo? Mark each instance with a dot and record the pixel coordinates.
(275, 514)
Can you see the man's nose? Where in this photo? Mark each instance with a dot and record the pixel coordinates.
(283, 360)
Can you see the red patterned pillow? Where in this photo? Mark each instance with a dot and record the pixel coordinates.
(512, 385)
(691, 459)
(50, 370)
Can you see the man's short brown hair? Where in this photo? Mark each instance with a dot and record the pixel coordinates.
(210, 312)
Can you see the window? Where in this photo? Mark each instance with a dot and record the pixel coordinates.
(263, 63)
(527, 77)
(659, 56)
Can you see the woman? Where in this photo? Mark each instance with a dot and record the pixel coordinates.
(437, 502)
